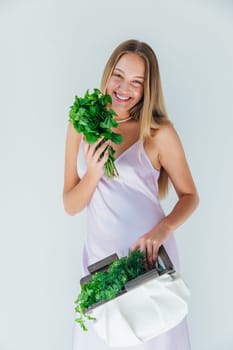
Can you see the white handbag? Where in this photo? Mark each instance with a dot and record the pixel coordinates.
(150, 305)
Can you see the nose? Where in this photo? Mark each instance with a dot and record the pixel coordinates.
(124, 86)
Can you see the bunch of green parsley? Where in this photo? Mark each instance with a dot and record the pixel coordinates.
(105, 285)
(91, 117)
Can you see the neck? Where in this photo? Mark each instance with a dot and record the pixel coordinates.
(124, 119)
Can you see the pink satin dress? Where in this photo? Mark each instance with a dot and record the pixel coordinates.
(120, 211)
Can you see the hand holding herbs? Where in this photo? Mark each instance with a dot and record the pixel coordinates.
(91, 117)
(105, 285)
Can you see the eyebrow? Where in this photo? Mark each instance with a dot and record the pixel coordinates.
(137, 76)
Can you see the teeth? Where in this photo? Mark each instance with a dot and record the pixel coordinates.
(122, 97)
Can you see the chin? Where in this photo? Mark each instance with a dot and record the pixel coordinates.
(120, 110)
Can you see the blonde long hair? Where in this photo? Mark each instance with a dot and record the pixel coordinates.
(150, 111)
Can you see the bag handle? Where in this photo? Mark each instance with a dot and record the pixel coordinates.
(164, 260)
(101, 265)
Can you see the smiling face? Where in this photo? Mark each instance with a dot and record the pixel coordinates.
(126, 83)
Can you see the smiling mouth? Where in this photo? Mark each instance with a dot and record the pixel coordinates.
(121, 98)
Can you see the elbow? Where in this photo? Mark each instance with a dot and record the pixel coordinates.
(192, 199)
(196, 200)
(69, 210)
(67, 206)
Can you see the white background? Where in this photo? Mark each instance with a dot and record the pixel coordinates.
(52, 50)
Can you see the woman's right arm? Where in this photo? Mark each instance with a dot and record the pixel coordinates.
(78, 192)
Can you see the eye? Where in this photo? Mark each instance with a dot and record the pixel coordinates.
(117, 75)
(137, 82)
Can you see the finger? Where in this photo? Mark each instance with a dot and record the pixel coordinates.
(100, 150)
(139, 244)
(94, 145)
(135, 246)
(86, 146)
(155, 249)
(149, 251)
(142, 247)
(105, 157)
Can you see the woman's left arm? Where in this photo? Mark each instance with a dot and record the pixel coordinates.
(172, 158)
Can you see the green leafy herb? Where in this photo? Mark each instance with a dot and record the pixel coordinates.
(106, 285)
(91, 117)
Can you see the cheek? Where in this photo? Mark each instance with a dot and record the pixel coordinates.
(139, 93)
(110, 86)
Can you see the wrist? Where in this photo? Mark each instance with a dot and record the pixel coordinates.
(162, 230)
(166, 225)
(93, 176)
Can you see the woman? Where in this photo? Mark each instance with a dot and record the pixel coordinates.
(125, 212)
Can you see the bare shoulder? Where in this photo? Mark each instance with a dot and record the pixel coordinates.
(171, 157)
(163, 144)
(165, 135)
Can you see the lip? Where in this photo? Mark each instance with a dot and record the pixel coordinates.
(120, 100)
